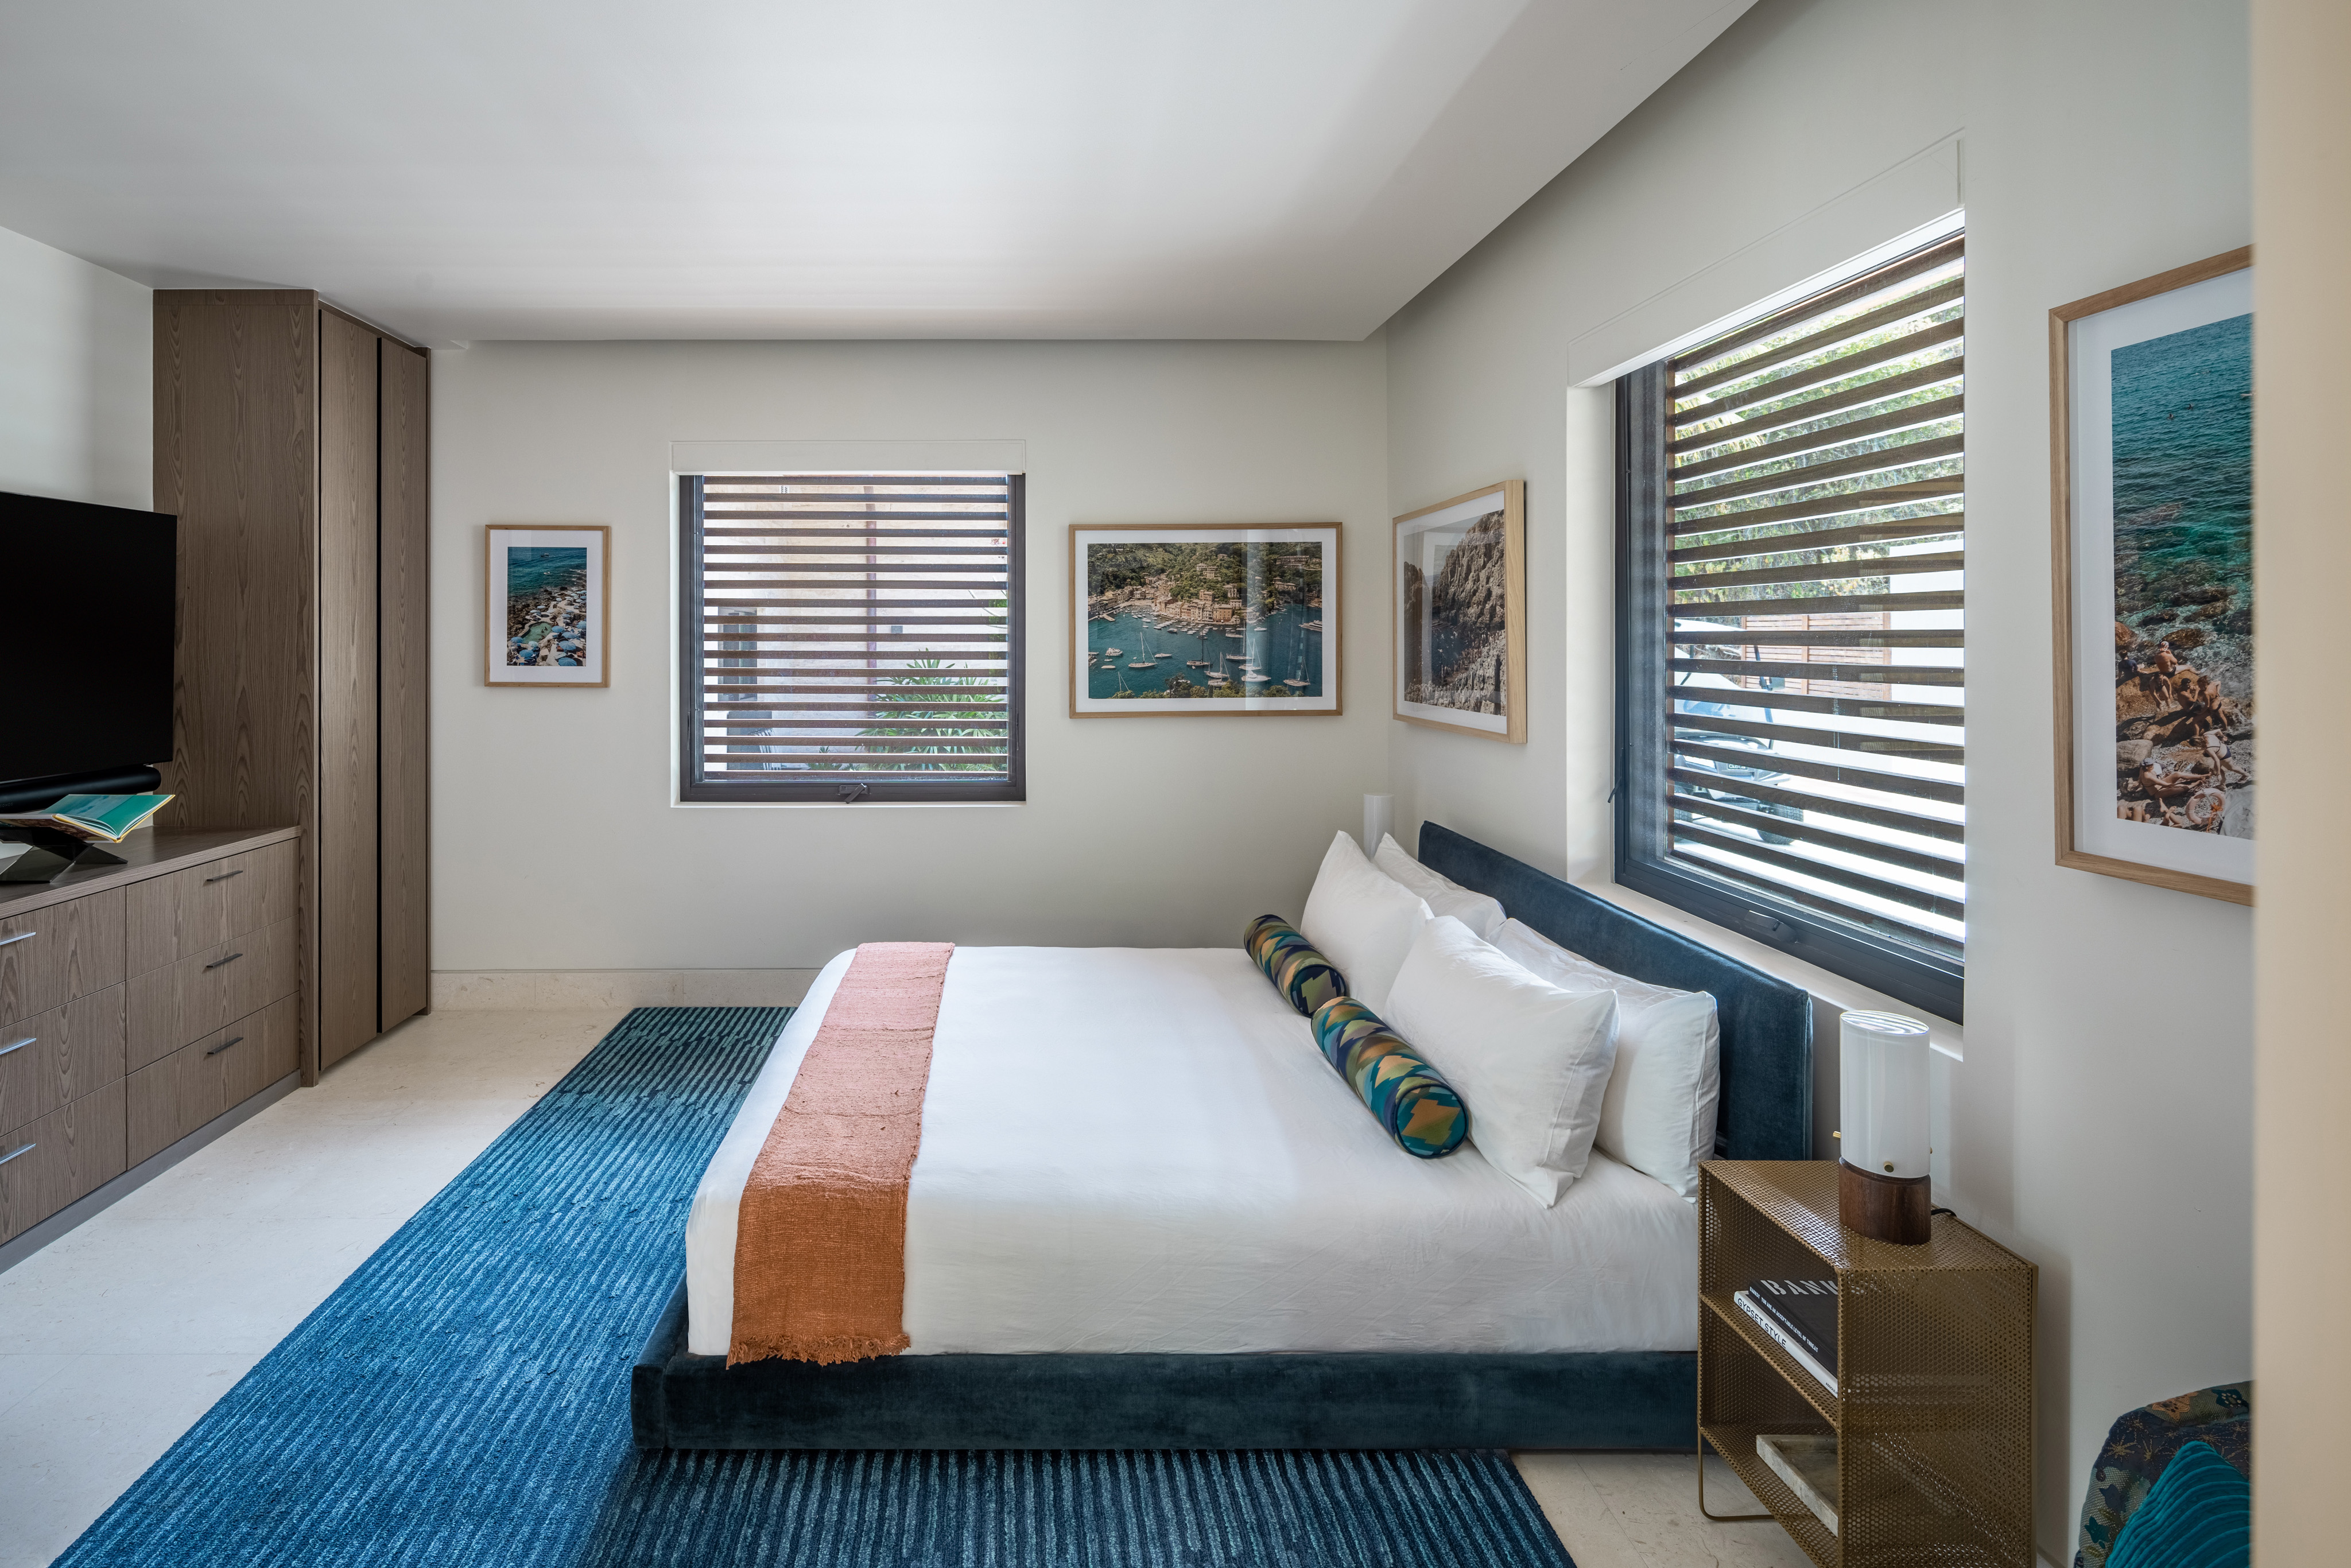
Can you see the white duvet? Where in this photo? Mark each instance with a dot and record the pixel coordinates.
(1141, 1149)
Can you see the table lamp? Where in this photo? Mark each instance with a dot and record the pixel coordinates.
(1881, 1176)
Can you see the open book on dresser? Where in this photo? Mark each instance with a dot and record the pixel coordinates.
(104, 819)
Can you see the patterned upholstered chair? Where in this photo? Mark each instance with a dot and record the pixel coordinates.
(2142, 1443)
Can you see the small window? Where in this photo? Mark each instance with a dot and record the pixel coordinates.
(1791, 619)
(850, 637)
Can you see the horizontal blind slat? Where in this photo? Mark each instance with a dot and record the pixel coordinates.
(1828, 739)
(1893, 531)
(1875, 390)
(1889, 674)
(1835, 369)
(1839, 909)
(1931, 412)
(1905, 454)
(1873, 497)
(1822, 870)
(1826, 772)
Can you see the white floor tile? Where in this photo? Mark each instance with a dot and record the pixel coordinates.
(1641, 1510)
(21, 1375)
(71, 1446)
(116, 1337)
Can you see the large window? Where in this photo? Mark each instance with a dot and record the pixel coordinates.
(851, 636)
(1791, 662)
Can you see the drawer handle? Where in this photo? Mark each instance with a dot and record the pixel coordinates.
(12, 941)
(225, 1045)
(19, 1044)
(217, 963)
(12, 1154)
(223, 876)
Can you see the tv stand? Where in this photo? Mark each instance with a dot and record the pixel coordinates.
(51, 854)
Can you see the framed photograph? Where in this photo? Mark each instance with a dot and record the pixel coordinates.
(545, 605)
(1460, 589)
(2152, 465)
(1201, 618)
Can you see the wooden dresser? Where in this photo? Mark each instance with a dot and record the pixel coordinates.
(139, 1002)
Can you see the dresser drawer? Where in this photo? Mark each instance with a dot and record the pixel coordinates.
(208, 989)
(173, 1097)
(189, 911)
(53, 956)
(60, 1056)
(67, 1153)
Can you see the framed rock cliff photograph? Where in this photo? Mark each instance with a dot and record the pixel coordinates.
(2151, 464)
(545, 605)
(1460, 609)
(1204, 619)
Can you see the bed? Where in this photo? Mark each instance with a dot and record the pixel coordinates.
(1169, 1224)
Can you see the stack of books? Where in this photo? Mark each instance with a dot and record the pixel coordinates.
(1801, 1316)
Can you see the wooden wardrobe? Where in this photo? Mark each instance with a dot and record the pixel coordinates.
(292, 439)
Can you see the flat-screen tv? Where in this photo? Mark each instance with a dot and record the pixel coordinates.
(85, 637)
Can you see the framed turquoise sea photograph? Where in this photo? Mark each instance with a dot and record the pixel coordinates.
(1204, 619)
(544, 604)
(2152, 500)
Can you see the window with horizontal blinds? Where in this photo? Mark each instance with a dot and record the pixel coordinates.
(851, 636)
(1793, 610)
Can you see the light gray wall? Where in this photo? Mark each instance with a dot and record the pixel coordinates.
(77, 410)
(2101, 1120)
(556, 844)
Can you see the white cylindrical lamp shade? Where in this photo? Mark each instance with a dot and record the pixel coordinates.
(1882, 1094)
(1379, 821)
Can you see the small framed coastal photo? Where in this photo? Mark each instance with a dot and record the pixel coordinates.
(2151, 469)
(545, 603)
(1460, 614)
(1184, 619)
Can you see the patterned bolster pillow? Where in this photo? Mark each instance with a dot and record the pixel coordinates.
(1419, 1108)
(1291, 962)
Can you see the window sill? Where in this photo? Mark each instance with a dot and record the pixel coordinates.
(1826, 985)
(847, 805)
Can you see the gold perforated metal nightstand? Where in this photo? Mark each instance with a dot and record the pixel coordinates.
(1933, 1409)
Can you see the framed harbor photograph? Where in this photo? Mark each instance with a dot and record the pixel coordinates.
(1204, 619)
(2151, 465)
(545, 603)
(1460, 611)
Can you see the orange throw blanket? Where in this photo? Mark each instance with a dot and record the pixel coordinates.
(820, 1238)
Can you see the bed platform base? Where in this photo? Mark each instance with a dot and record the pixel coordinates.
(1624, 1399)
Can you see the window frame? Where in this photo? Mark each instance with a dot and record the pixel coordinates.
(1641, 723)
(694, 789)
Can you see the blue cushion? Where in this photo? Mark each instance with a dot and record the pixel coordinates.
(2199, 1514)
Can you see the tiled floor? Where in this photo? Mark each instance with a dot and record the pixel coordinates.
(116, 1338)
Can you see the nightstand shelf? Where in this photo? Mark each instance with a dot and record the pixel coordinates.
(1933, 1415)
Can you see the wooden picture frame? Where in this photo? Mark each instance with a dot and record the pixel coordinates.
(1211, 586)
(1464, 705)
(2143, 577)
(563, 592)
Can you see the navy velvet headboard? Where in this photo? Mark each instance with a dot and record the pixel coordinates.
(1766, 1107)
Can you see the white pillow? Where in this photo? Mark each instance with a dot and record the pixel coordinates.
(1658, 1116)
(1528, 1059)
(1362, 922)
(1482, 914)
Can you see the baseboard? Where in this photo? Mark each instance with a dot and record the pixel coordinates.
(16, 1251)
(549, 990)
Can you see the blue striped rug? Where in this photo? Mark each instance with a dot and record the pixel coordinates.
(462, 1402)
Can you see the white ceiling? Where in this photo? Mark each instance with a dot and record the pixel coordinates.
(472, 168)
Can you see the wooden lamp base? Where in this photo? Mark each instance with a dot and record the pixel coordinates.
(1899, 1209)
